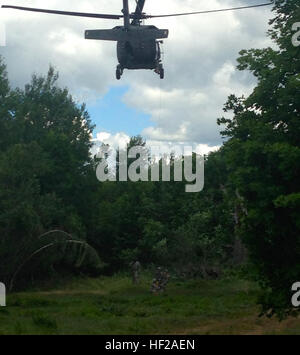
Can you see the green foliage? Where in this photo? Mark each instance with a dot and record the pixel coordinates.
(263, 158)
(45, 165)
(48, 183)
(159, 223)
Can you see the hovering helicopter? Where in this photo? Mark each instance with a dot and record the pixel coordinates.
(138, 45)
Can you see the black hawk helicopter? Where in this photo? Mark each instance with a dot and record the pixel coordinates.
(138, 45)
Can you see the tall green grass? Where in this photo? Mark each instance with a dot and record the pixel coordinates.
(113, 305)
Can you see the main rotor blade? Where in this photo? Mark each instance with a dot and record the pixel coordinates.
(139, 6)
(208, 11)
(137, 15)
(68, 13)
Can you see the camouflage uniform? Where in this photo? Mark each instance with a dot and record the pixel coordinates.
(159, 283)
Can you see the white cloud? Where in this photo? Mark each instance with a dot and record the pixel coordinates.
(118, 140)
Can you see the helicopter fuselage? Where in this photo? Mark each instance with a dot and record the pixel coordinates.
(141, 49)
(138, 54)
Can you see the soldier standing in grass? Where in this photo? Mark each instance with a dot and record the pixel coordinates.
(135, 269)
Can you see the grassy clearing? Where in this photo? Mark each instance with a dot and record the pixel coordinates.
(114, 306)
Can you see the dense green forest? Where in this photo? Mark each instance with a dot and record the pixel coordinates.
(56, 217)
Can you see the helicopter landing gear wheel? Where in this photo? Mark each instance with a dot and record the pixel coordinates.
(162, 73)
(119, 72)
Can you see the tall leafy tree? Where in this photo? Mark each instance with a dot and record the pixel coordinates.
(5, 106)
(263, 157)
(45, 175)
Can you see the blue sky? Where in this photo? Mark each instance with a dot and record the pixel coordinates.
(112, 115)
